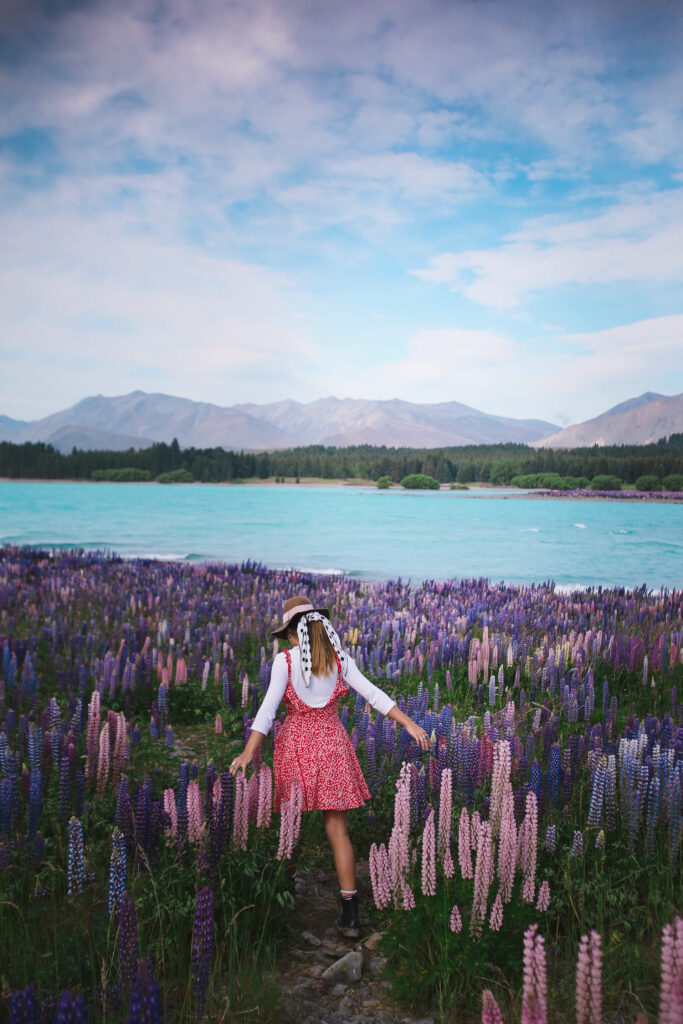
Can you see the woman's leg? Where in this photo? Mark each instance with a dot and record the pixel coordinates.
(344, 860)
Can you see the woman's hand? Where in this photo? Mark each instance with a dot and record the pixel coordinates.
(242, 761)
(418, 734)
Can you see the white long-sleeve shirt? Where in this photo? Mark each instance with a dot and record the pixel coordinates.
(317, 694)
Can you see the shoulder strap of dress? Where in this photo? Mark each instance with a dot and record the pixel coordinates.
(288, 658)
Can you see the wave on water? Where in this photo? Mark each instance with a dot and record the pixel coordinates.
(157, 556)
(580, 526)
(318, 572)
(531, 529)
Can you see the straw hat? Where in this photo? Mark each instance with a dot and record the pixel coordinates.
(292, 609)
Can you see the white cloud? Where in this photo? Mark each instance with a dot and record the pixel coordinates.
(527, 377)
(451, 359)
(637, 239)
(90, 306)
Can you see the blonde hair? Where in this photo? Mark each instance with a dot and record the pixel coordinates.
(323, 657)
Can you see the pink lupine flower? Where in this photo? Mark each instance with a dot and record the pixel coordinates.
(490, 1010)
(194, 812)
(596, 979)
(465, 845)
(252, 796)
(205, 673)
(534, 993)
(285, 845)
(240, 829)
(475, 822)
(589, 980)
(543, 901)
(429, 857)
(218, 725)
(265, 797)
(448, 865)
(483, 876)
(671, 985)
(399, 842)
(408, 898)
(171, 810)
(507, 847)
(496, 918)
(180, 670)
(120, 747)
(245, 690)
(290, 821)
(92, 734)
(380, 876)
(456, 919)
(445, 805)
(103, 760)
(529, 847)
(500, 783)
(582, 981)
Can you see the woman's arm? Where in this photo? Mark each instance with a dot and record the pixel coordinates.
(383, 703)
(265, 715)
(411, 727)
(244, 759)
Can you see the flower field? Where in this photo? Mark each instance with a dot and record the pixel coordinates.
(528, 867)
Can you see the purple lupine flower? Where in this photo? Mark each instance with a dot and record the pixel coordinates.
(64, 794)
(76, 863)
(71, 1009)
(597, 794)
(34, 801)
(117, 871)
(577, 845)
(7, 800)
(145, 999)
(22, 1006)
(202, 945)
(128, 941)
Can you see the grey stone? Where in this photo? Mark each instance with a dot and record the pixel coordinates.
(339, 989)
(373, 941)
(345, 1007)
(377, 965)
(333, 947)
(350, 966)
(311, 939)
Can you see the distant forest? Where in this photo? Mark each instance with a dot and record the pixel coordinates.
(491, 463)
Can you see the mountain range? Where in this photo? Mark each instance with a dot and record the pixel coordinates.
(642, 420)
(138, 420)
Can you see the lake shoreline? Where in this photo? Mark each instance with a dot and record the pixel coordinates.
(663, 497)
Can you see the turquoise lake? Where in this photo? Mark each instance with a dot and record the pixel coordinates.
(359, 531)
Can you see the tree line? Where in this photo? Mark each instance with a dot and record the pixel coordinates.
(492, 463)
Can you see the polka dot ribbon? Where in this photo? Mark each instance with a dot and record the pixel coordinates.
(305, 643)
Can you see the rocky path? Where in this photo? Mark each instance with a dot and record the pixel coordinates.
(328, 979)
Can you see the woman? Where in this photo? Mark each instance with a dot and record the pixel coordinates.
(312, 746)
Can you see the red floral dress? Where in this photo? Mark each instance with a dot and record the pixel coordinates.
(313, 747)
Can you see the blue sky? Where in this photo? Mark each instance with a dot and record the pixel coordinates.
(434, 200)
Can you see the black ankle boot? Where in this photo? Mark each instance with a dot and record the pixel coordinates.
(348, 924)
